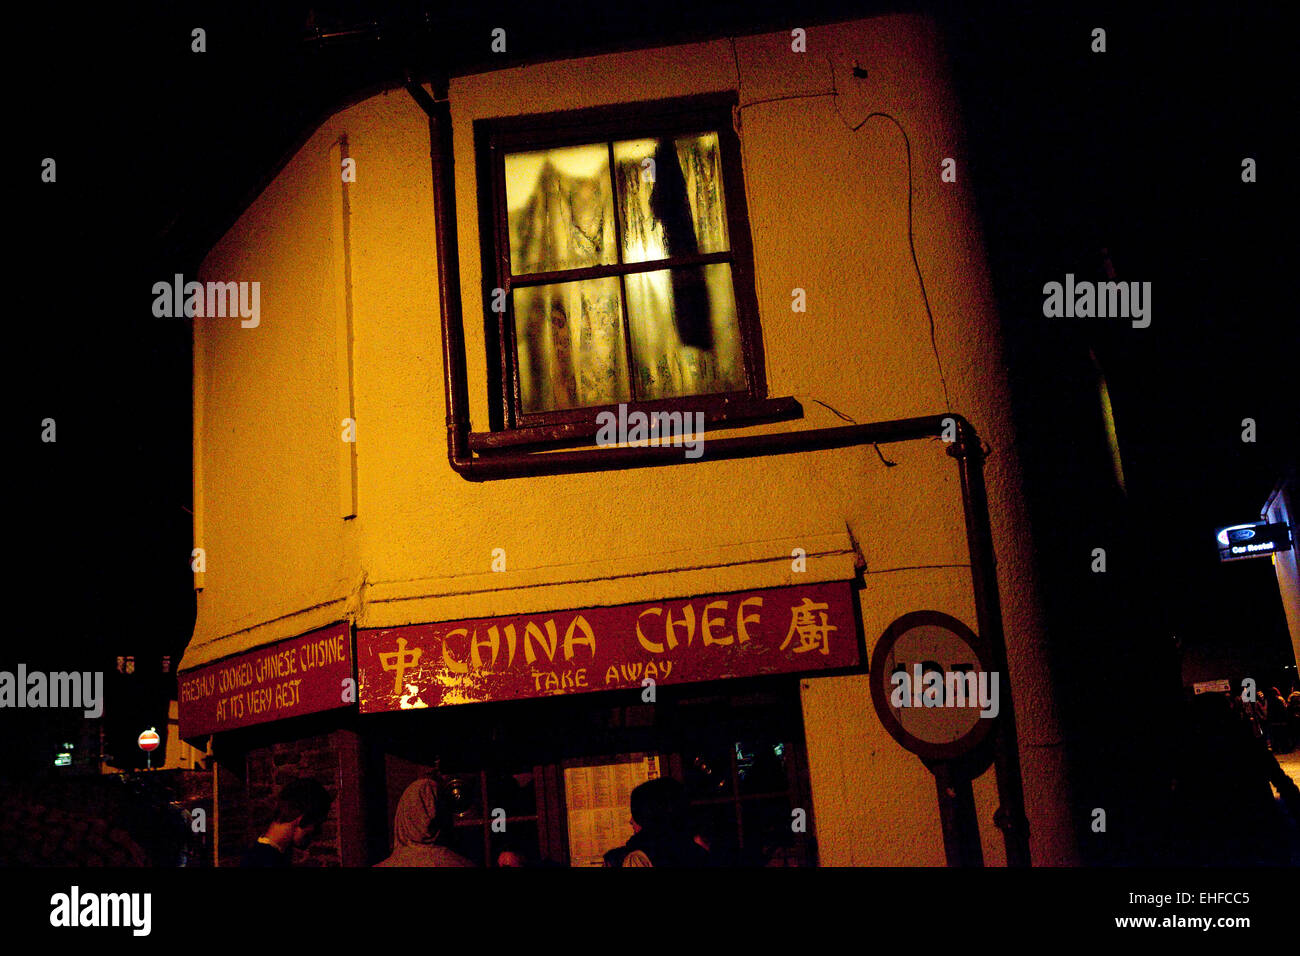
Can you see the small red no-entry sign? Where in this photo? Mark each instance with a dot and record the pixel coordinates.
(149, 740)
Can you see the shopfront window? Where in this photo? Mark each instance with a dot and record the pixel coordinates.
(548, 780)
(497, 814)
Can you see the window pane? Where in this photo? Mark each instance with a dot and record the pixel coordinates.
(685, 334)
(569, 341)
(706, 771)
(515, 793)
(761, 766)
(679, 210)
(560, 208)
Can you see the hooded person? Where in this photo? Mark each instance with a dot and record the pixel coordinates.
(422, 821)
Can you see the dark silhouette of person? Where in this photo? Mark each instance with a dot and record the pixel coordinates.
(1223, 807)
(663, 837)
(300, 809)
(1278, 727)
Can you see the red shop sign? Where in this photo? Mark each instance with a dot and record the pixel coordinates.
(302, 675)
(742, 634)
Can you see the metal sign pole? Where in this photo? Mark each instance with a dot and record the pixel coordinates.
(961, 837)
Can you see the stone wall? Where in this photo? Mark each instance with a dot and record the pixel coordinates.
(268, 769)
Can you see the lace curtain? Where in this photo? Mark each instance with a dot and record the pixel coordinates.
(570, 335)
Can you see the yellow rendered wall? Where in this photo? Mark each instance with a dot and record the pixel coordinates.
(277, 562)
(828, 214)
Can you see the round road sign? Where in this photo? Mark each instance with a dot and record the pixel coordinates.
(932, 687)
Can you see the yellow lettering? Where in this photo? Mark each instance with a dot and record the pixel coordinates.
(631, 671)
(510, 645)
(531, 630)
(455, 666)
(493, 641)
(648, 644)
(286, 694)
(579, 622)
(742, 635)
(688, 620)
(707, 624)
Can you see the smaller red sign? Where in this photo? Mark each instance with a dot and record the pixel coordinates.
(303, 675)
(149, 740)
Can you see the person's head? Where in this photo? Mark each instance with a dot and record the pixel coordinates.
(300, 809)
(423, 814)
(660, 806)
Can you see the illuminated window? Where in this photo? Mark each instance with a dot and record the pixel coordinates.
(618, 241)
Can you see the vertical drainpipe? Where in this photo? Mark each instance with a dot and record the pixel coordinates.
(1010, 816)
(444, 216)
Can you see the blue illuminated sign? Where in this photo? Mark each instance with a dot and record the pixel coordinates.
(1254, 540)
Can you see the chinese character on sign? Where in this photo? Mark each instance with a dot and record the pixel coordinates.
(401, 661)
(121, 665)
(167, 664)
(130, 665)
(813, 635)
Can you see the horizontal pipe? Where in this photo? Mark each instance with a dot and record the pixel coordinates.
(527, 464)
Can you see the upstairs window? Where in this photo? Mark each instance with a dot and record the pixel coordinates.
(618, 241)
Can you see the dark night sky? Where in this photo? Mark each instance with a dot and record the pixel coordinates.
(1137, 150)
